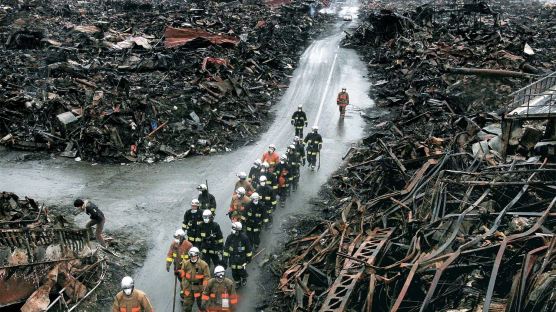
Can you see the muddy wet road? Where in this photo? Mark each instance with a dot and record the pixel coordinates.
(150, 199)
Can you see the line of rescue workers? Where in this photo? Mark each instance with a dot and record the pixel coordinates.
(199, 242)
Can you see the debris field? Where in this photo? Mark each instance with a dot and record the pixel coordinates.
(449, 204)
(143, 80)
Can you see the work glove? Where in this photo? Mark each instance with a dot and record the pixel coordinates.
(244, 266)
(305, 124)
(168, 266)
(292, 122)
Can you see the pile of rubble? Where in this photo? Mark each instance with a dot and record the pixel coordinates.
(446, 206)
(39, 256)
(143, 80)
(48, 263)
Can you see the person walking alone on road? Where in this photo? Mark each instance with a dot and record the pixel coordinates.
(131, 299)
(237, 254)
(195, 275)
(177, 253)
(206, 199)
(313, 142)
(97, 218)
(212, 242)
(220, 293)
(192, 220)
(342, 100)
(299, 121)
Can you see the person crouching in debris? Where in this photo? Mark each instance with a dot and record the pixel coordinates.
(131, 299)
(97, 218)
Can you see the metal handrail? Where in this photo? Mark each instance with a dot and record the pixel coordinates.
(543, 89)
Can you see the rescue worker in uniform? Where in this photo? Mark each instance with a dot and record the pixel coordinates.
(243, 182)
(271, 178)
(177, 253)
(255, 213)
(255, 173)
(212, 242)
(195, 275)
(282, 171)
(220, 293)
(342, 100)
(299, 149)
(192, 220)
(237, 254)
(268, 199)
(131, 299)
(271, 157)
(239, 201)
(206, 199)
(313, 142)
(299, 120)
(295, 164)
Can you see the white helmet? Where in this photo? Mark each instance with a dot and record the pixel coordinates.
(195, 202)
(255, 196)
(292, 147)
(207, 214)
(315, 128)
(283, 157)
(193, 252)
(257, 162)
(240, 190)
(219, 270)
(272, 146)
(242, 175)
(295, 139)
(266, 165)
(179, 233)
(262, 179)
(202, 187)
(299, 106)
(127, 285)
(236, 226)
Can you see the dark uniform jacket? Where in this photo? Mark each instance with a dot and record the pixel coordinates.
(237, 250)
(299, 119)
(254, 216)
(207, 201)
(191, 224)
(313, 141)
(93, 211)
(212, 239)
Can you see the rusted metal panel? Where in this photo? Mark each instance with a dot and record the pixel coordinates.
(176, 37)
(341, 289)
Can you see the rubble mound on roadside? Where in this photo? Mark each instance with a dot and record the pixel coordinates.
(142, 80)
